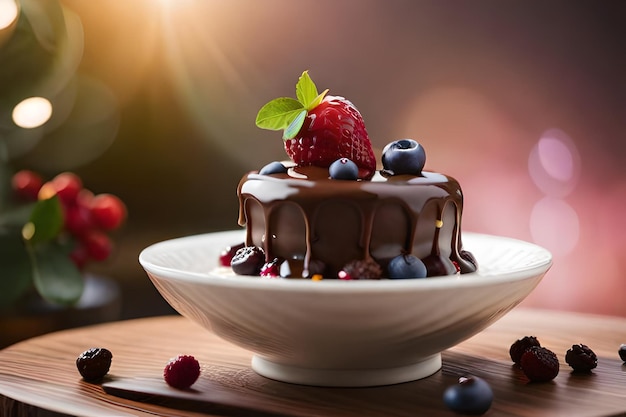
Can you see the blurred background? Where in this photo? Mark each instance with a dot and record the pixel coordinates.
(155, 100)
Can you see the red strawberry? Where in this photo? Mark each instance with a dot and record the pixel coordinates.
(333, 130)
(319, 129)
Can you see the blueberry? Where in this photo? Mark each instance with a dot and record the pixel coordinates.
(273, 168)
(404, 156)
(472, 395)
(406, 266)
(343, 169)
(622, 352)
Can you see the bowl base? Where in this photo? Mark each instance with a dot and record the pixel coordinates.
(346, 377)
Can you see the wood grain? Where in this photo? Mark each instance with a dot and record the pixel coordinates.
(41, 373)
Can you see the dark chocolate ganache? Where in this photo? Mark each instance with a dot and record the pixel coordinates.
(320, 224)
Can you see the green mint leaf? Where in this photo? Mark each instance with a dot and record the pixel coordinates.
(316, 102)
(306, 91)
(294, 127)
(55, 276)
(278, 113)
(46, 221)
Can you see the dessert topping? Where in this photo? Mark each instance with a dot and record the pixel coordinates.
(319, 129)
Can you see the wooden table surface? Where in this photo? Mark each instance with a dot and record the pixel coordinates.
(40, 374)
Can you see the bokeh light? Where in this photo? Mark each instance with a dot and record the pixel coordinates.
(8, 13)
(554, 224)
(32, 112)
(554, 163)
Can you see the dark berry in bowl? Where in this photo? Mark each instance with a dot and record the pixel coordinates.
(539, 364)
(404, 156)
(271, 268)
(248, 261)
(93, 364)
(520, 346)
(360, 269)
(581, 358)
(405, 267)
(273, 168)
(622, 352)
(343, 169)
(182, 371)
(472, 395)
(227, 254)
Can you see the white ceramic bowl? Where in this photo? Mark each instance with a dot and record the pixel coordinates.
(344, 333)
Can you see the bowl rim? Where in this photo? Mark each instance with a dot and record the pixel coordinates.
(537, 266)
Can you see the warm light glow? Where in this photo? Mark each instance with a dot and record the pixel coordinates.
(32, 112)
(8, 13)
(554, 163)
(555, 225)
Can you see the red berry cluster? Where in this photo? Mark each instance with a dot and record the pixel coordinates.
(88, 218)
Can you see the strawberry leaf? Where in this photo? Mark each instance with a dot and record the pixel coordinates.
(55, 276)
(316, 102)
(294, 127)
(46, 221)
(306, 90)
(278, 114)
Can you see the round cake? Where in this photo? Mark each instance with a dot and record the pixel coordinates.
(319, 225)
(334, 211)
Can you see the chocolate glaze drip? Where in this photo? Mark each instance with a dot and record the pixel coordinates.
(319, 224)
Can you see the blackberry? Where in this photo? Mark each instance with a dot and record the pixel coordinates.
(93, 364)
(361, 269)
(539, 364)
(248, 261)
(581, 358)
(519, 347)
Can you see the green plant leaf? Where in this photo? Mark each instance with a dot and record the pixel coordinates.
(55, 276)
(306, 90)
(278, 113)
(294, 127)
(16, 276)
(46, 220)
(316, 102)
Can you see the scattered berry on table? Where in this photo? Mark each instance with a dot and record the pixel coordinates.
(405, 267)
(228, 253)
(360, 269)
(343, 169)
(93, 364)
(581, 358)
(248, 261)
(182, 371)
(520, 346)
(404, 156)
(472, 395)
(622, 352)
(539, 364)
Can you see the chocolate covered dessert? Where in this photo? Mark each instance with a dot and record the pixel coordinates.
(330, 213)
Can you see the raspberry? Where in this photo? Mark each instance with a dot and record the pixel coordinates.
(182, 371)
(227, 254)
(93, 364)
(581, 358)
(271, 269)
(520, 346)
(539, 364)
(361, 269)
